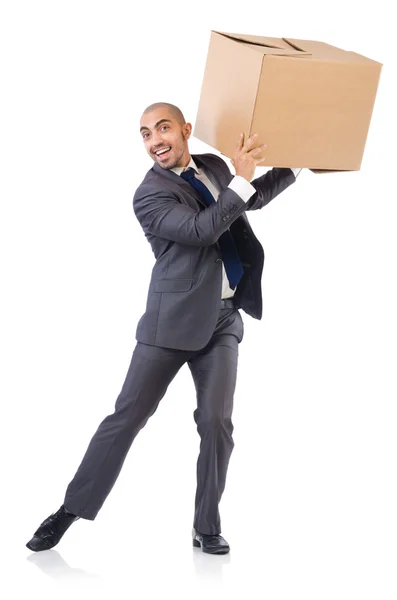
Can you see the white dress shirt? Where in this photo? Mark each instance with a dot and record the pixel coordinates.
(238, 184)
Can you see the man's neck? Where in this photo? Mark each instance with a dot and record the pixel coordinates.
(188, 159)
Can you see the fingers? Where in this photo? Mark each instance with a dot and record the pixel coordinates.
(240, 142)
(255, 154)
(248, 145)
(256, 151)
(250, 142)
(248, 154)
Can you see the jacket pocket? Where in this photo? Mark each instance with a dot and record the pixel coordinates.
(172, 285)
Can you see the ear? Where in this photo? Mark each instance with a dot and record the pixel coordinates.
(187, 130)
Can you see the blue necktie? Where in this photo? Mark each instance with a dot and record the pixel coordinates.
(230, 257)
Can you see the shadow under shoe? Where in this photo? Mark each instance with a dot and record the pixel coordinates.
(51, 530)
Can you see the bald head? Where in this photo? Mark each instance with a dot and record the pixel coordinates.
(173, 110)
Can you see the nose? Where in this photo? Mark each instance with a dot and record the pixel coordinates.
(156, 139)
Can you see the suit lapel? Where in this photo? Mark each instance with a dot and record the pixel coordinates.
(176, 179)
(216, 176)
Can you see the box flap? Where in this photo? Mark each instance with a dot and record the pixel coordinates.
(267, 45)
(326, 51)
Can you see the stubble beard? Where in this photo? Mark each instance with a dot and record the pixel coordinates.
(177, 159)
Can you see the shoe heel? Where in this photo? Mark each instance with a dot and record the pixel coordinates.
(196, 544)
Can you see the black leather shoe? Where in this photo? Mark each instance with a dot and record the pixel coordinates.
(51, 530)
(212, 544)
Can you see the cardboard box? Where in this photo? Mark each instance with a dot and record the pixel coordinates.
(310, 102)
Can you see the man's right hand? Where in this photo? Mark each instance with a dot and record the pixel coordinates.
(246, 156)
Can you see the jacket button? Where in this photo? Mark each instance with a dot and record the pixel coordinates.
(224, 218)
(218, 260)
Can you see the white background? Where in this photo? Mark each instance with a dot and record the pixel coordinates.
(310, 505)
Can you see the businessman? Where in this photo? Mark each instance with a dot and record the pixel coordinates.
(208, 265)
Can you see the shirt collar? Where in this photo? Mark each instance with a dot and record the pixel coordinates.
(192, 164)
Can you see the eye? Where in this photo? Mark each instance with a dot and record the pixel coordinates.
(164, 127)
(145, 136)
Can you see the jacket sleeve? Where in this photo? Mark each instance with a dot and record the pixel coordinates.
(160, 213)
(269, 186)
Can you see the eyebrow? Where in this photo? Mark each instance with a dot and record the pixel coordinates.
(156, 125)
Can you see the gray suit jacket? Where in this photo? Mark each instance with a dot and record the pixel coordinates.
(186, 284)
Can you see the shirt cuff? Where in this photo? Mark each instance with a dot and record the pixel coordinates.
(296, 172)
(242, 187)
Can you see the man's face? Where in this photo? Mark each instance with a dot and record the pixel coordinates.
(165, 138)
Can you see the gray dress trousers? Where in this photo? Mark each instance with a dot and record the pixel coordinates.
(152, 368)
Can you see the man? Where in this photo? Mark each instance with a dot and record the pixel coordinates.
(208, 265)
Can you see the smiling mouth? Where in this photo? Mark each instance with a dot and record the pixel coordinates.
(163, 152)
